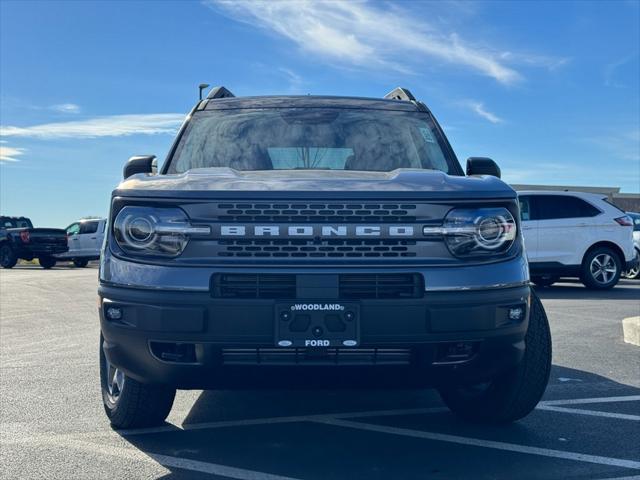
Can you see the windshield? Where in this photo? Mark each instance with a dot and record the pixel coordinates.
(7, 222)
(311, 138)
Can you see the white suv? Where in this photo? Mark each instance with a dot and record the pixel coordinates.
(575, 234)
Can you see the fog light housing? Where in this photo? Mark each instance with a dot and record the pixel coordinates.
(516, 314)
(114, 313)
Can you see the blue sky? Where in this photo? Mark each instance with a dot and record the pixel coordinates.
(550, 90)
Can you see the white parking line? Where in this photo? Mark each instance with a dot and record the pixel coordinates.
(276, 420)
(593, 413)
(583, 401)
(476, 442)
(173, 462)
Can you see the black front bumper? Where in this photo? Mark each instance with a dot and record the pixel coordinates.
(192, 340)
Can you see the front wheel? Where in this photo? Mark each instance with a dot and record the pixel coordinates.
(634, 273)
(80, 263)
(129, 403)
(516, 393)
(8, 258)
(601, 269)
(47, 262)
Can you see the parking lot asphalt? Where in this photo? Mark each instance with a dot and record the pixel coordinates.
(52, 423)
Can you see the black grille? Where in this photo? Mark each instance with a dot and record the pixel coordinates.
(228, 285)
(317, 212)
(317, 249)
(329, 356)
(409, 285)
(350, 286)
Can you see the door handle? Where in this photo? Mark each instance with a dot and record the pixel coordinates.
(93, 238)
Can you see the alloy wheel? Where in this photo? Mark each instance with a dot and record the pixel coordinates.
(114, 382)
(603, 268)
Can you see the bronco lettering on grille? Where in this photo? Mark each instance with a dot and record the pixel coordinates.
(317, 231)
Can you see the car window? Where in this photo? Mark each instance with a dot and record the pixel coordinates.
(314, 138)
(73, 229)
(88, 227)
(636, 222)
(7, 222)
(525, 208)
(549, 207)
(24, 223)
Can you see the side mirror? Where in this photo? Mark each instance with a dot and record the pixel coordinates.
(140, 164)
(482, 166)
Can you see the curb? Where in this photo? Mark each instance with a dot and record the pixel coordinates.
(631, 330)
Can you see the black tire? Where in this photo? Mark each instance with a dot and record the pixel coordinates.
(516, 393)
(546, 281)
(47, 262)
(610, 260)
(80, 263)
(8, 258)
(634, 273)
(137, 404)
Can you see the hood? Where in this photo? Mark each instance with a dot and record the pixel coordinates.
(226, 182)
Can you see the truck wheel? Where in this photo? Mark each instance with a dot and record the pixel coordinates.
(634, 273)
(129, 403)
(8, 258)
(601, 269)
(516, 393)
(544, 281)
(80, 263)
(47, 262)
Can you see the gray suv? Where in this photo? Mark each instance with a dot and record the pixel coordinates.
(317, 240)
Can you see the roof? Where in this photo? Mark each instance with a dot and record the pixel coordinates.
(310, 101)
(569, 193)
(570, 188)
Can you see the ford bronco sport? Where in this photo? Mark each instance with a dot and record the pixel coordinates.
(287, 239)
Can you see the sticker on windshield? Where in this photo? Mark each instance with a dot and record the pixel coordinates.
(427, 135)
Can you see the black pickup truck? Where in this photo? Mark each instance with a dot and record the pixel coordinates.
(19, 239)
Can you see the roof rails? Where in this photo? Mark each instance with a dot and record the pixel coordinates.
(400, 94)
(219, 92)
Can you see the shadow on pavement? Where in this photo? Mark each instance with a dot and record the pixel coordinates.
(627, 290)
(284, 448)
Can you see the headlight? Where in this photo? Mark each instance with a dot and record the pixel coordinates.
(476, 232)
(154, 231)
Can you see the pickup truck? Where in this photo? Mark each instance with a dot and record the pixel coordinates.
(20, 240)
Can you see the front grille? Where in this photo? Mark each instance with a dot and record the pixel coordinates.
(350, 286)
(356, 286)
(317, 212)
(267, 286)
(329, 356)
(317, 248)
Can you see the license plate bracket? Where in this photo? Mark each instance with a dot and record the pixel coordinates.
(317, 324)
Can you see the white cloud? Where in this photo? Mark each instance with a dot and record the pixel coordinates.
(66, 108)
(110, 126)
(479, 109)
(361, 34)
(295, 81)
(9, 154)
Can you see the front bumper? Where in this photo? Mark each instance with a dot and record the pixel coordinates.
(231, 341)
